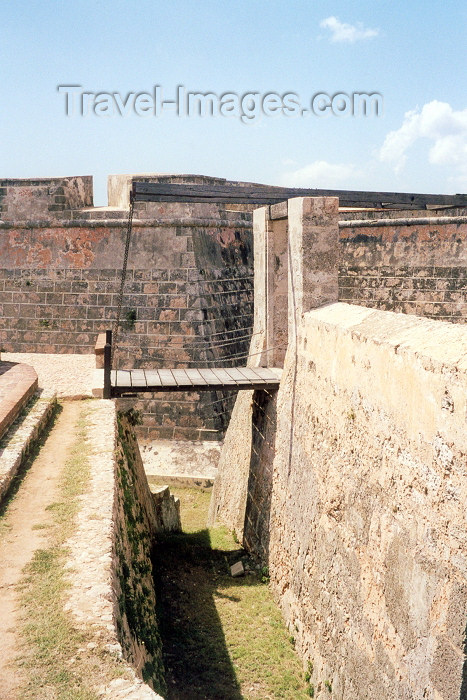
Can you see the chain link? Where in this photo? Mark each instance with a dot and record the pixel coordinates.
(122, 286)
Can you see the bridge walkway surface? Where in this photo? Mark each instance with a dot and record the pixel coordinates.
(213, 379)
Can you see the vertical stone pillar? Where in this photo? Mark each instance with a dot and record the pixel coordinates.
(313, 256)
(258, 342)
(277, 290)
(270, 260)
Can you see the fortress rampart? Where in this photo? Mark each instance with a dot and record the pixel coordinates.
(349, 482)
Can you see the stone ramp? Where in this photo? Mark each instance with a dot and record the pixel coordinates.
(23, 432)
(18, 382)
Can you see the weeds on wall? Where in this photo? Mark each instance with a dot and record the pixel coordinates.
(130, 319)
(137, 621)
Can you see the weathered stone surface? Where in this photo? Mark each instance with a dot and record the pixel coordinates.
(189, 284)
(110, 569)
(42, 198)
(21, 436)
(350, 484)
(415, 268)
(167, 509)
(365, 539)
(188, 296)
(368, 502)
(181, 461)
(18, 382)
(237, 569)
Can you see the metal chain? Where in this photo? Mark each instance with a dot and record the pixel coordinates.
(122, 283)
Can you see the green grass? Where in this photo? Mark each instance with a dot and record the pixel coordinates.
(55, 658)
(223, 638)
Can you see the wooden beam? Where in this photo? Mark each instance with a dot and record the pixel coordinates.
(265, 194)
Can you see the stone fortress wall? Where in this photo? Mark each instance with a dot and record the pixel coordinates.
(410, 262)
(189, 294)
(349, 482)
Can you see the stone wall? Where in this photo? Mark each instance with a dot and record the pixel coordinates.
(136, 525)
(44, 197)
(415, 265)
(283, 291)
(111, 588)
(350, 481)
(367, 527)
(187, 301)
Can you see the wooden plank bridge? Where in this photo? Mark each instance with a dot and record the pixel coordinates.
(134, 381)
(121, 382)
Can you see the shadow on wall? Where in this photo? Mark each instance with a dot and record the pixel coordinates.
(463, 695)
(189, 575)
(258, 504)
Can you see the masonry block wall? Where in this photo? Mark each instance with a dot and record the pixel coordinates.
(188, 297)
(50, 197)
(415, 265)
(189, 294)
(366, 536)
(350, 484)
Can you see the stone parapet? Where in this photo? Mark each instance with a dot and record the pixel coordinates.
(110, 557)
(28, 199)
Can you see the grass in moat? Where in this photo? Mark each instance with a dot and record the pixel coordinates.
(223, 637)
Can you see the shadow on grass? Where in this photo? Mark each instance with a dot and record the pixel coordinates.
(188, 576)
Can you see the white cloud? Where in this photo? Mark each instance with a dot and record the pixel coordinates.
(323, 175)
(439, 123)
(437, 127)
(343, 32)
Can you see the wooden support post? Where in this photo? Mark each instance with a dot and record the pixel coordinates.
(107, 365)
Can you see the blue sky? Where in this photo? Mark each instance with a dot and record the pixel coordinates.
(414, 54)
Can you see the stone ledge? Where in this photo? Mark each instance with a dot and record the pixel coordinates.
(93, 560)
(440, 343)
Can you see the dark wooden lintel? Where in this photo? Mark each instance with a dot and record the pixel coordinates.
(264, 195)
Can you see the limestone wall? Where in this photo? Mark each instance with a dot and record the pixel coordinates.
(367, 543)
(188, 295)
(415, 265)
(350, 481)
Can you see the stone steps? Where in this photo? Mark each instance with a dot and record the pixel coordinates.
(25, 430)
(18, 382)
